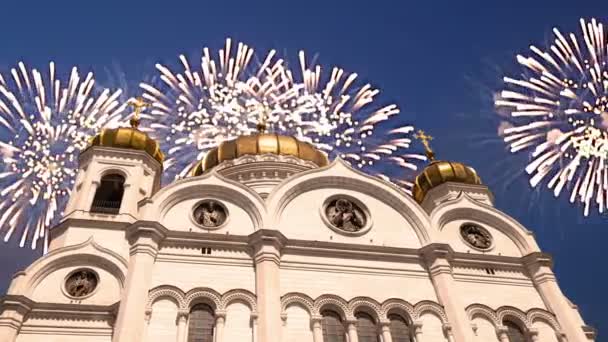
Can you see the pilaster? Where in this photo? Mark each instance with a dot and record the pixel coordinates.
(266, 247)
(539, 266)
(15, 309)
(144, 239)
(437, 257)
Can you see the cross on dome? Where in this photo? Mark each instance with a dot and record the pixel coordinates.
(424, 138)
(138, 105)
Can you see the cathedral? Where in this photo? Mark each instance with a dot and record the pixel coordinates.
(269, 241)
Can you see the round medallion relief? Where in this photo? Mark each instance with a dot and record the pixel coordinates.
(210, 214)
(81, 283)
(476, 236)
(346, 215)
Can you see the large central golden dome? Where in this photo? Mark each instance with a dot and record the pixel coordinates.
(256, 144)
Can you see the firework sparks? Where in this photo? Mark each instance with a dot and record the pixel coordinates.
(197, 109)
(558, 113)
(45, 123)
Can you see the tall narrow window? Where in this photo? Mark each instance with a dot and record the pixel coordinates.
(366, 328)
(108, 196)
(400, 331)
(201, 324)
(514, 332)
(333, 329)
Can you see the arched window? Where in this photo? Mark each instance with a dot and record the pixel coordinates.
(201, 323)
(400, 331)
(333, 329)
(108, 196)
(366, 328)
(514, 332)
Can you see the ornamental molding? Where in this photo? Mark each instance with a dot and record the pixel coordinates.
(186, 300)
(525, 319)
(348, 309)
(85, 254)
(341, 175)
(468, 209)
(116, 155)
(246, 160)
(60, 312)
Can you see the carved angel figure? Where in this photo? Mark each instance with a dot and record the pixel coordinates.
(210, 214)
(346, 215)
(81, 283)
(476, 236)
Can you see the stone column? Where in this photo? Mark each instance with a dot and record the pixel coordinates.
(533, 333)
(417, 327)
(144, 238)
(501, 332)
(15, 309)
(447, 331)
(182, 325)
(317, 329)
(220, 321)
(267, 245)
(539, 266)
(254, 327)
(352, 330)
(385, 330)
(437, 257)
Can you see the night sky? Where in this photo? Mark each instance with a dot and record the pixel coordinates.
(438, 60)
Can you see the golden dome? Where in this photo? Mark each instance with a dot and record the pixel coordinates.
(130, 137)
(261, 143)
(439, 172)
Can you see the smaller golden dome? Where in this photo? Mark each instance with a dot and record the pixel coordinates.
(439, 172)
(261, 143)
(131, 138)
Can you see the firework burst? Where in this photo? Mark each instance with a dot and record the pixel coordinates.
(45, 122)
(194, 110)
(557, 111)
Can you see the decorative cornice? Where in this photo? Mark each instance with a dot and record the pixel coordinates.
(538, 259)
(59, 311)
(434, 251)
(149, 229)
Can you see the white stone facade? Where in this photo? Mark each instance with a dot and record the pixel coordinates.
(276, 263)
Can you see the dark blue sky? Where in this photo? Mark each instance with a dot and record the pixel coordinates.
(437, 59)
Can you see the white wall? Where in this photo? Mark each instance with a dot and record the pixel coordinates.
(163, 324)
(432, 328)
(301, 219)
(238, 327)
(495, 295)
(50, 288)
(486, 332)
(297, 326)
(503, 244)
(545, 331)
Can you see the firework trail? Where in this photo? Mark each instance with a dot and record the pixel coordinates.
(556, 111)
(194, 110)
(45, 122)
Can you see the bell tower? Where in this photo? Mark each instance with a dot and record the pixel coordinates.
(121, 167)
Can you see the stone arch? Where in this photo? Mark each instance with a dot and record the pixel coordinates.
(398, 306)
(514, 315)
(85, 253)
(540, 314)
(242, 296)
(204, 295)
(432, 307)
(367, 305)
(298, 298)
(212, 185)
(335, 303)
(480, 310)
(341, 174)
(464, 207)
(166, 291)
(112, 169)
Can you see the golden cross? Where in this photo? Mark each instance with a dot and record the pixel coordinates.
(138, 105)
(261, 126)
(424, 138)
